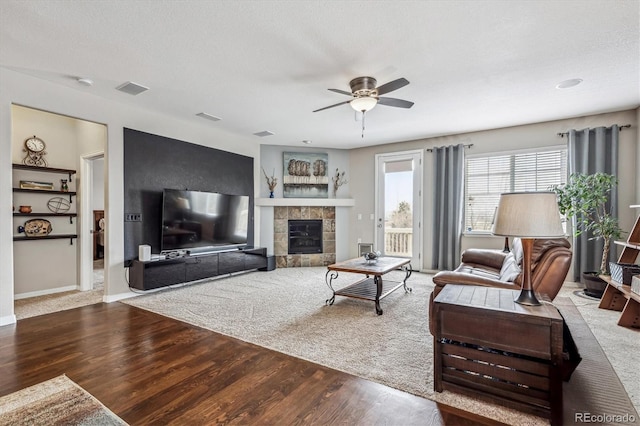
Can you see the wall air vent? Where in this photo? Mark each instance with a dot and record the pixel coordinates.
(208, 116)
(132, 88)
(264, 133)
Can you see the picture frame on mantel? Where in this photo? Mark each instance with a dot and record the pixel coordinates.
(305, 175)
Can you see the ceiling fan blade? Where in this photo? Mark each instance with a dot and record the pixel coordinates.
(331, 106)
(400, 103)
(342, 92)
(392, 85)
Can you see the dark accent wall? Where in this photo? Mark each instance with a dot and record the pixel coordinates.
(153, 163)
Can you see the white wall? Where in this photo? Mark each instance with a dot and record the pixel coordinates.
(16, 88)
(512, 138)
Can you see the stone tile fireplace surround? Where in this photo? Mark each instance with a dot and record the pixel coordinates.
(281, 216)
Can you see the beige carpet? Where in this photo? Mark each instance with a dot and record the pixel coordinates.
(58, 401)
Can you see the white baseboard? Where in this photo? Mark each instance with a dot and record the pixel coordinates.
(121, 296)
(6, 320)
(45, 292)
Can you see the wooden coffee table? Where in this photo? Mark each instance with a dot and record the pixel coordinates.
(369, 288)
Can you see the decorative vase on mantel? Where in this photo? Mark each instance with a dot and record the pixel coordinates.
(271, 194)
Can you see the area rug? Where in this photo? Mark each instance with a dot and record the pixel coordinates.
(56, 401)
(285, 310)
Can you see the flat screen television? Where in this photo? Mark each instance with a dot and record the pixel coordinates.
(202, 220)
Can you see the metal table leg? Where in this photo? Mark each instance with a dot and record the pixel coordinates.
(328, 278)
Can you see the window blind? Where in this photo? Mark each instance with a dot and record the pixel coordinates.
(489, 176)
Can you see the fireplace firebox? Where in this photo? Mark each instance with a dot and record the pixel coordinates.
(305, 236)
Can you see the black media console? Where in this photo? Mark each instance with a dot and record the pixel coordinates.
(166, 272)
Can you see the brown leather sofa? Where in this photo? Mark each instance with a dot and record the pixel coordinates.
(550, 262)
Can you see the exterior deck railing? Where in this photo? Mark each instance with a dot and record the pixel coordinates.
(398, 241)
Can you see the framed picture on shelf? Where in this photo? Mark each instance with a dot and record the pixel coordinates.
(29, 184)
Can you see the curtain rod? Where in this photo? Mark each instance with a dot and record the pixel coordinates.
(467, 145)
(562, 135)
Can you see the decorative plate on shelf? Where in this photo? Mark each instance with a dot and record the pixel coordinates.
(37, 228)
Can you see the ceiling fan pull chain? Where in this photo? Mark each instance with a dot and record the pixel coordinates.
(363, 114)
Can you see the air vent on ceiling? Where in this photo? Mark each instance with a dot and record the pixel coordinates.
(264, 133)
(208, 116)
(132, 88)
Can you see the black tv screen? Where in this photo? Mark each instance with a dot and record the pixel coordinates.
(195, 219)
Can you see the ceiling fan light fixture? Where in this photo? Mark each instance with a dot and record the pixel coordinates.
(364, 103)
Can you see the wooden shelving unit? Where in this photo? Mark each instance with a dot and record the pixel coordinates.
(618, 296)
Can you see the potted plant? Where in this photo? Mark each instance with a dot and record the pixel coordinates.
(584, 197)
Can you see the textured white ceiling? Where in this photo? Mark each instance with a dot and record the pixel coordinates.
(266, 65)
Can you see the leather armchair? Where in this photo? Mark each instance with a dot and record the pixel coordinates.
(550, 263)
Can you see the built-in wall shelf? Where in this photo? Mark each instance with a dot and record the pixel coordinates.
(44, 191)
(70, 194)
(68, 172)
(312, 202)
(46, 214)
(47, 237)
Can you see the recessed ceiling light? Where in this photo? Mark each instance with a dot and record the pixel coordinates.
(308, 142)
(132, 88)
(85, 81)
(569, 83)
(264, 133)
(208, 116)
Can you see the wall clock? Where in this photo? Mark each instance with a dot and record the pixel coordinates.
(35, 149)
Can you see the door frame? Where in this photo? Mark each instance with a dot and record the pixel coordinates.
(86, 220)
(418, 218)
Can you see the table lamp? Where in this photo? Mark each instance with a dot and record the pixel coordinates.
(528, 215)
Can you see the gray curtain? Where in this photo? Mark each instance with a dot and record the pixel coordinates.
(448, 206)
(592, 151)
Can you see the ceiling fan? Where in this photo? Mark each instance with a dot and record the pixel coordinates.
(365, 95)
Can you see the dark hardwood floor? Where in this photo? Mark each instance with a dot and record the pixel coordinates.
(149, 369)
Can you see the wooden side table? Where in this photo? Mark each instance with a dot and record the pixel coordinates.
(489, 347)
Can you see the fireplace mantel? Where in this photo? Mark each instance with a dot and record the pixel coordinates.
(312, 202)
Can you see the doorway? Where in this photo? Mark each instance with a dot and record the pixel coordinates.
(398, 206)
(93, 233)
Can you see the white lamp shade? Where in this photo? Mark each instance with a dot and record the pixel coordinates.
(364, 103)
(528, 215)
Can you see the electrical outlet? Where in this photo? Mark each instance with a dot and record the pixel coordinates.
(371, 217)
(133, 217)
(359, 216)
